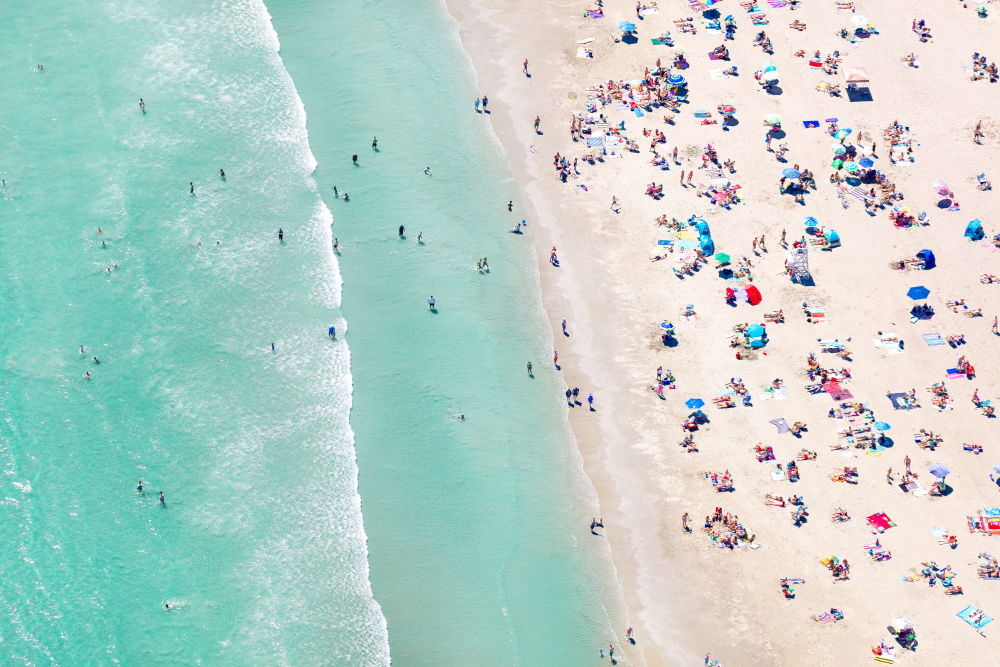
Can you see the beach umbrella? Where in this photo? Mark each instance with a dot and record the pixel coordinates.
(939, 471)
(810, 221)
(838, 149)
(721, 257)
(882, 426)
(859, 20)
(676, 79)
(755, 331)
(918, 293)
(791, 173)
(626, 26)
(941, 188)
(720, 182)
(843, 133)
(768, 66)
(866, 162)
(832, 236)
(667, 325)
(770, 77)
(693, 403)
(772, 119)
(995, 474)
(851, 166)
(727, 109)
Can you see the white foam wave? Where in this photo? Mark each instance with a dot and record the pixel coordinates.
(332, 296)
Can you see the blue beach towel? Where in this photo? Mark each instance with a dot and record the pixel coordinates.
(966, 615)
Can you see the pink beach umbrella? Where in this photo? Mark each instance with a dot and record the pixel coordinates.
(941, 188)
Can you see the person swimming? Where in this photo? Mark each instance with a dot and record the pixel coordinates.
(354, 158)
(139, 487)
(420, 237)
(163, 501)
(222, 174)
(427, 171)
(86, 376)
(401, 230)
(96, 360)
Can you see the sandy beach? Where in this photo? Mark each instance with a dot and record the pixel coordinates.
(688, 596)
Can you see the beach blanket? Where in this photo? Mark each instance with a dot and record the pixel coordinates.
(881, 520)
(657, 41)
(595, 13)
(953, 374)
(810, 123)
(967, 616)
(716, 74)
(781, 424)
(649, 11)
(861, 194)
(584, 52)
(593, 142)
(933, 339)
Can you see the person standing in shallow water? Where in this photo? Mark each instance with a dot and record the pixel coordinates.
(281, 235)
(192, 187)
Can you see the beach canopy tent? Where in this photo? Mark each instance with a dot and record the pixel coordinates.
(974, 230)
(832, 237)
(928, 257)
(855, 75)
(707, 245)
(753, 295)
(701, 226)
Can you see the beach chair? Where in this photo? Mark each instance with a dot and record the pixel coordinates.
(983, 183)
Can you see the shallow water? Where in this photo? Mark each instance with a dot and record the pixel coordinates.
(476, 529)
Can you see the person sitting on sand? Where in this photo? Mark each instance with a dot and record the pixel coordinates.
(721, 52)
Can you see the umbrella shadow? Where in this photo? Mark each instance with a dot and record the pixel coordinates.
(773, 90)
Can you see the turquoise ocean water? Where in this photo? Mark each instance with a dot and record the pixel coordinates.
(473, 546)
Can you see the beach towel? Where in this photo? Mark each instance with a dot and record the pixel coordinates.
(639, 113)
(777, 475)
(658, 42)
(881, 520)
(883, 660)
(933, 339)
(810, 123)
(664, 242)
(649, 11)
(954, 374)
(966, 615)
(583, 52)
(781, 424)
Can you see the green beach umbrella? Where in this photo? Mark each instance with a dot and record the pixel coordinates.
(772, 119)
(721, 257)
(838, 149)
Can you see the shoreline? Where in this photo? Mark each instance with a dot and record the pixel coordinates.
(578, 356)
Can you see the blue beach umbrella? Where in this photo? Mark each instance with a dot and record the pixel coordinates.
(755, 331)
(918, 293)
(791, 173)
(676, 79)
(882, 426)
(866, 162)
(768, 66)
(939, 470)
(843, 133)
(667, 325)
(626, 26)
(693, 403)
(810, 221)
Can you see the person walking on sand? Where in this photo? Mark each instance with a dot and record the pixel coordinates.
(761, 243)
(675, 155)
(906, 462)
(977, 135)
(538, 120)
(615, 206)
(485, 102)
(783, 243)
(682, 178)
(525, 67)
(510, 205)
(684, 522)
(590, 401)
(564, 327)
(994, 324)
(555, 358)
(690, 176)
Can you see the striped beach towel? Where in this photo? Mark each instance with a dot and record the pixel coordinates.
(933, 339)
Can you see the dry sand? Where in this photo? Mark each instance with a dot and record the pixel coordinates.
(685, 596)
